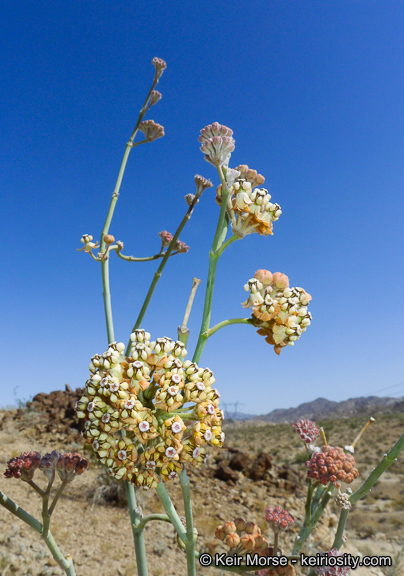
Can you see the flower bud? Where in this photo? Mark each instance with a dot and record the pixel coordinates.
(160, 65)
(280, 280)
(232, 540)
(264, 276)
(240, 524)
(109, 239)
(229, 527)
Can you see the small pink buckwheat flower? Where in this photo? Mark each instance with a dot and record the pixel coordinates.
(307, 430)
(166, 238)
(278, 518)
(160, 65)
(217, 144)
(23, 466)
(332, 570)
(151, 130)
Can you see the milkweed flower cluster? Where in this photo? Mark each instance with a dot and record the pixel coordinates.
(67, 465)
(278, 311)
(332, 465)
(245, 538)
(134, 410)
(250, 208)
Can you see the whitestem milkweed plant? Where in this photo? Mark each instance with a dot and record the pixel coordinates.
(149, 413)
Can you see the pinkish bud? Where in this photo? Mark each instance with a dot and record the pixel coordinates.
(220, 533)
(109, 239)
(151, 130)
(280, 280)
(229, 527)
(160, 66)
(181, 247)
(248, 542)
(264, 276)
(166, 238)
(23, 466)
(155, 96)
(232, 540)
(240, 524)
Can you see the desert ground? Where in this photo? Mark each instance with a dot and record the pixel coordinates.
(260, 465)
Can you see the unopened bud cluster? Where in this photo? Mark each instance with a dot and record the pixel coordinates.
(217, 144)
(151, 130)
(245, 538)
(249, 207)
(278, 518)
(307, 430)
(67, 465)
(278, 311)
(332, 465)
(242, 536)
(134, 415)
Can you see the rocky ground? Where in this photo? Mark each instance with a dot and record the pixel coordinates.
(260, 465)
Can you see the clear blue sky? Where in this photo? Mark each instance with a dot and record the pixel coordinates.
(314, 93)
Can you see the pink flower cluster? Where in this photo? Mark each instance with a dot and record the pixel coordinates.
(278, 518)
(307, 430)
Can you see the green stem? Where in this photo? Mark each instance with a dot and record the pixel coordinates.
(338, 540)
(190, 543)
(107, 300)
(307, 529)
(65, 563)
(149, 518)
(57, 496)
(159, 272)
(317, 497)
(183, 330)
(171, 511)
(227, 243)
(214, 255)
(217, 327)
(137, 531)
(308, 502)
(374, 476)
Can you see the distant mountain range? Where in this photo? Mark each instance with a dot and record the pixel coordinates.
(322, 408)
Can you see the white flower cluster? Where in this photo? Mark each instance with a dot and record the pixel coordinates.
(279, 312)
(134, 410)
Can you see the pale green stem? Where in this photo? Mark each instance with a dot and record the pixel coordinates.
(227, 243)
(307, 528)
(338, 540)
(57, 496)
(368, 484)
(190, 543)
(138, 534)
(374, 476)
(45, 506)
(217, 327)
(65, 563)
(159, 272)
(107, 301)
(317, 496)
(183, 330)
(149, 518)
(171, 511)
(308, 502)
(276, 543)
(145, 259)
(214, 254)
(110, 213)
